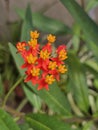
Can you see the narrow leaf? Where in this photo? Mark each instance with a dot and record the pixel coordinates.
(27, 25)
(91, 4)
(25, 126)
(76, 37)
(78, 79)
(6, 119)
(46, 24)
(88, 126)
(18, 60)
(33, 98)
(3, 125)
(97, 105)
(91, 66)
(56, 100)
(45, 122)
(50, 25)
(88, 26)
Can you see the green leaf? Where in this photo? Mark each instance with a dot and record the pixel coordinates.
(18, 60)
(50, 25)
(91, 66)
(25, 126)
(46, 24)
(6, 121)
(3, 125)
(55, 99)
(27, 25)
(97, 105)
(91, 4)
(96, 83)
(88, 126)
(88, 26)
(78, 80)
(45, 122)
(33, 98)
(76, 37)
(21, 13)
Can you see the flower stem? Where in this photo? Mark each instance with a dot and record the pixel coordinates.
(11, 90)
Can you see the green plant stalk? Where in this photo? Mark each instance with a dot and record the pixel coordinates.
(11, 90)
(23, 103)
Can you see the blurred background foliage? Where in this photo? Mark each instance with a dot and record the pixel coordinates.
(71, 104)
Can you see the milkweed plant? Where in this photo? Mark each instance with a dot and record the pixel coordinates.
(46, 85)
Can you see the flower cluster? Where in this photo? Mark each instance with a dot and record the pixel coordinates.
(42, 66)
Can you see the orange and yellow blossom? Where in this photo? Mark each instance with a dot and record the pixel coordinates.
(51, 38)
(21, 46)
(34, 34)
(41, 66)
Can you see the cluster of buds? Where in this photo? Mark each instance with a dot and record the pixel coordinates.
(42, 66)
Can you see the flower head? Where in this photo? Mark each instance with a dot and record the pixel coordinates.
(33, 43)
(42, 67)
(21, 46)
(31, 59)
(62, 55)
(51, 38)
(52, 65)
(34, 34)
(49, 79)
(35, 71)
(44, 54)
(62, 69)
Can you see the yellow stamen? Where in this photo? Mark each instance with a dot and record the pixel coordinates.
(44, 54)
(20, 46)
(34, 34)
(52, 65)
(31, 59)
(49, 79)
(33, 42)
(51, 38)
(35, 71)
(62, 68)
(62, 55)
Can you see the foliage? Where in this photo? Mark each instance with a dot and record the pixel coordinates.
(70, 104)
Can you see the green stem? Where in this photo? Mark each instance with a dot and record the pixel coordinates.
(13, 112)
(23, 103)
(11, 90)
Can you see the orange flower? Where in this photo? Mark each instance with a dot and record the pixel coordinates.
(51, 38)
(49, 79)
(21, 46)
(62, 55)
(33, 43)
(62, 69)
(34, 34)
(52, 65)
